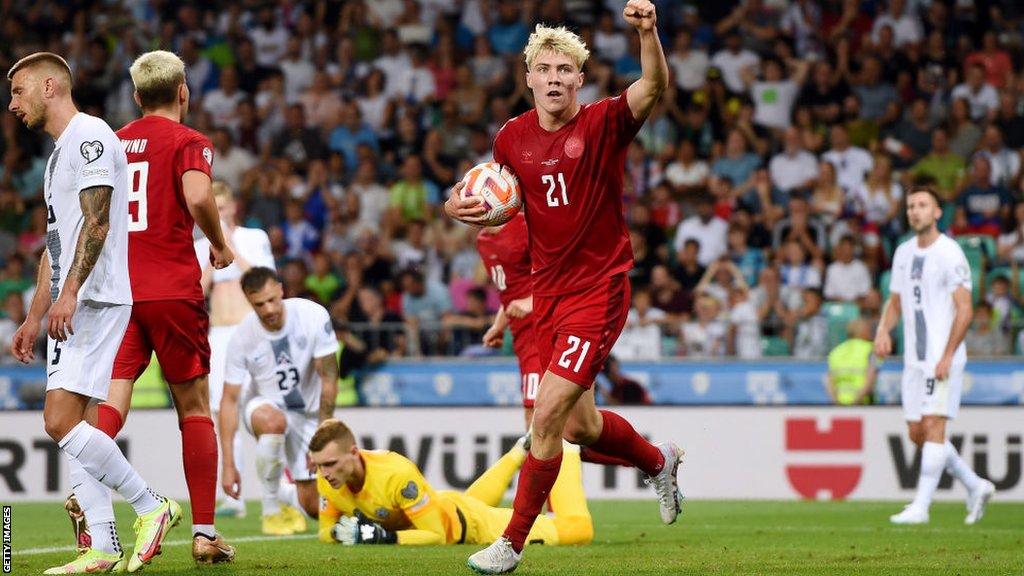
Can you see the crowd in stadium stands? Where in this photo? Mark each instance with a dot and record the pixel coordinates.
(763, 194)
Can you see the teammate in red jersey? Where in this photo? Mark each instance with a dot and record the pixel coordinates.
(169, 167)
(570, 161)
(505, 253)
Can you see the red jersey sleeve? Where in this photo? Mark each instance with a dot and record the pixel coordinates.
(620, 122)
(498, 149)
(196, 153)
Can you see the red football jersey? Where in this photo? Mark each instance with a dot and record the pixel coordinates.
(571, 183)
(506, 255)
(161, 258)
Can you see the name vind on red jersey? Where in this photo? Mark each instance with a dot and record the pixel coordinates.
(506, 255)
(161, 258)
(572, 182)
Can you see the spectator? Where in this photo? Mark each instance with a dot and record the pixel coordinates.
(1010, 246)
(877, 202)
(350, 133)
(301, 237)
(667, 294)
(1004, 163)
(297, 142)
(719, 280)
(416, 253)
(964, 133)
(744, 325)
(413, 197)
(616, 388)
(982, 206)
(232, 162)
(732, 59)
(876, 97)
(852, 367)
(704, 226)
(983, 339)
(269, 38)
(941, 165)
(12, 277)
(293, 278)
(374, 324)
(322, 105)
(689, 270)
(762, 199)
(738, 164)
(775, 95)
(466, 328)
(689, 64)
(796, 271)
(852, 163)
(298, 71)
(322, 281)
(424, 307)
(413, 83)
(825, 93)
(828, 199)
(802, 228)
(222, 103)
(748, 260)
(794, 168)
(904, 24)
(982, 98)
(912, 138)
(687, 174)
(810, 336)
(993, 60)
(704, 337)
(847, 279)
(641, 337)
(509, 33)
(1010, 120)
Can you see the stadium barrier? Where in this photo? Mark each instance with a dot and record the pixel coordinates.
(731, 452)
(496, 382)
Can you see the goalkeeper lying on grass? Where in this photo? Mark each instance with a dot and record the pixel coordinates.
(380, 497)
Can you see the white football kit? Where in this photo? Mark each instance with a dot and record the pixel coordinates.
(253, 245)
(925, 279)
(282, 371)
(87, 154)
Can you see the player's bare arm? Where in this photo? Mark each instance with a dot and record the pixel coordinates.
(495, 335)
(95, 202)
(327, 368)
(643, 94)
(230, 479)
(23, 343)
(521, 307)
(890, 316)
(198, 191)
(961, 322)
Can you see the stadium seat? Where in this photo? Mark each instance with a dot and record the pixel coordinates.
(986, 244)
(839, 314)
(948, 211)
(883, 284)
(774, 346)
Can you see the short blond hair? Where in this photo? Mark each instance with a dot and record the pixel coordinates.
(222, 190)
(559, 40)
(332, 430)
(157, 76)
(54, 64)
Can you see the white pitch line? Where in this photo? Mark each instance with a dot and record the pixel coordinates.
(55, 549)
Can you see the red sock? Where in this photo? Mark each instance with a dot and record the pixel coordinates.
(108, 420)
(199, 457)
(536, 478)
(588, 454)
(619, 440)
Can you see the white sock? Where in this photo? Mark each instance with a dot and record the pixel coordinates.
(933, 460)
(207, 530)
(959, 469)
(269, 448)
(101, 458)
(94, 499)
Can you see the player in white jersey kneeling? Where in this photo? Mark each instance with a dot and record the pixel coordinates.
(228, 307)
(287, 349)
(931, 288)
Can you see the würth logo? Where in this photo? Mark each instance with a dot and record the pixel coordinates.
(817, 480)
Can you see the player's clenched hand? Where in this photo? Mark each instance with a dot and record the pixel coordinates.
(23, 343)
(469, 211)
(60, 317)
(520, 308)
(231, 482)
(221, 258)
(351, 530)
(640, 14)
(942, 368)
(494, 337)
(883, 344)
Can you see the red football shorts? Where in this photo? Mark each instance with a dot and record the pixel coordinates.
(176, 330)
(524, 344)
(576, 331)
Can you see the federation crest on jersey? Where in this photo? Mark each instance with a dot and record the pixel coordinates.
(91, 151)
(283, 358)
(527, 157)
(208, 155)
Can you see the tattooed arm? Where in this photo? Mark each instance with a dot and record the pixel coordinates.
(95, 203)
(327, 368)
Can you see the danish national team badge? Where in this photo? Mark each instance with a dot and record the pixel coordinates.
(574, 147)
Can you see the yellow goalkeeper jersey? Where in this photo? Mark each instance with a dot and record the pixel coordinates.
(397, 496)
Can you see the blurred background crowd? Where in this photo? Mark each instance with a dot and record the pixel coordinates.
(764, 194)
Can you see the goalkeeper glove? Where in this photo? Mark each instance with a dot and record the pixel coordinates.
(360, 530)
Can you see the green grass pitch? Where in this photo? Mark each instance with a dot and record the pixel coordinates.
(712, 537)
